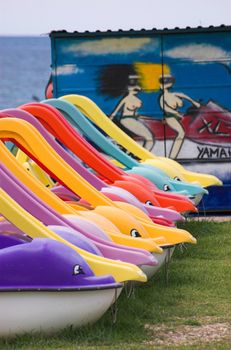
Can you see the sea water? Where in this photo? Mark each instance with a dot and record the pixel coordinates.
(24, 69)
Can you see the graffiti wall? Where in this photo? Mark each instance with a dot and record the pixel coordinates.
(170, 90)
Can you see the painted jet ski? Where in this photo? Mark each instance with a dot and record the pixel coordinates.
(209, 124)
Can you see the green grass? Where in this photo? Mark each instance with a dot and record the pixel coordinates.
(198, 293)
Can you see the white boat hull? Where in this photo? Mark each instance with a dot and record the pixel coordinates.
(50, 311)
(161, 258)
(196, 200)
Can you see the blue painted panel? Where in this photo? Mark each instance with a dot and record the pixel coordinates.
(219, 199)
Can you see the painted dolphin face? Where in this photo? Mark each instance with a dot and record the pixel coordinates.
(178, 185)
(192, 189)
(165, 183)
(135, 193)
(128, 225)
(162, 182)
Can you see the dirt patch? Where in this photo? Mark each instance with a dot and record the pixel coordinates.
(188, 334)
(225, 218)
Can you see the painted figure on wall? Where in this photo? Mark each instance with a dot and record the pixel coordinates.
(170, 103)
(123, 81)
(122, 75)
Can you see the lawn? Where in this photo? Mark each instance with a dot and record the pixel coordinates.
(191, 311)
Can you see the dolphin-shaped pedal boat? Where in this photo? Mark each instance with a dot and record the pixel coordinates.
(45, 286)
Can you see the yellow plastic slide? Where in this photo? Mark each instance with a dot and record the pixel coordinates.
(172, 168)
(29, 225)
(34, 169)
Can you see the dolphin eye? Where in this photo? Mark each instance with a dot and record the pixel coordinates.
(148, 203)
(166, 188)
(134, 233)
(78, 270)
(177, 178)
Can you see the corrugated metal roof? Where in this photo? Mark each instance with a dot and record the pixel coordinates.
(199, 29)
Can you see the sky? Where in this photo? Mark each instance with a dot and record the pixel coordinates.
(40, 17)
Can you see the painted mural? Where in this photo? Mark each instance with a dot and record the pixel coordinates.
(173, 89)
(171, 92)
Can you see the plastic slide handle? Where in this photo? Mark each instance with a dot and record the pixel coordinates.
(34, 169)
(34, 228)
(21, 156)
